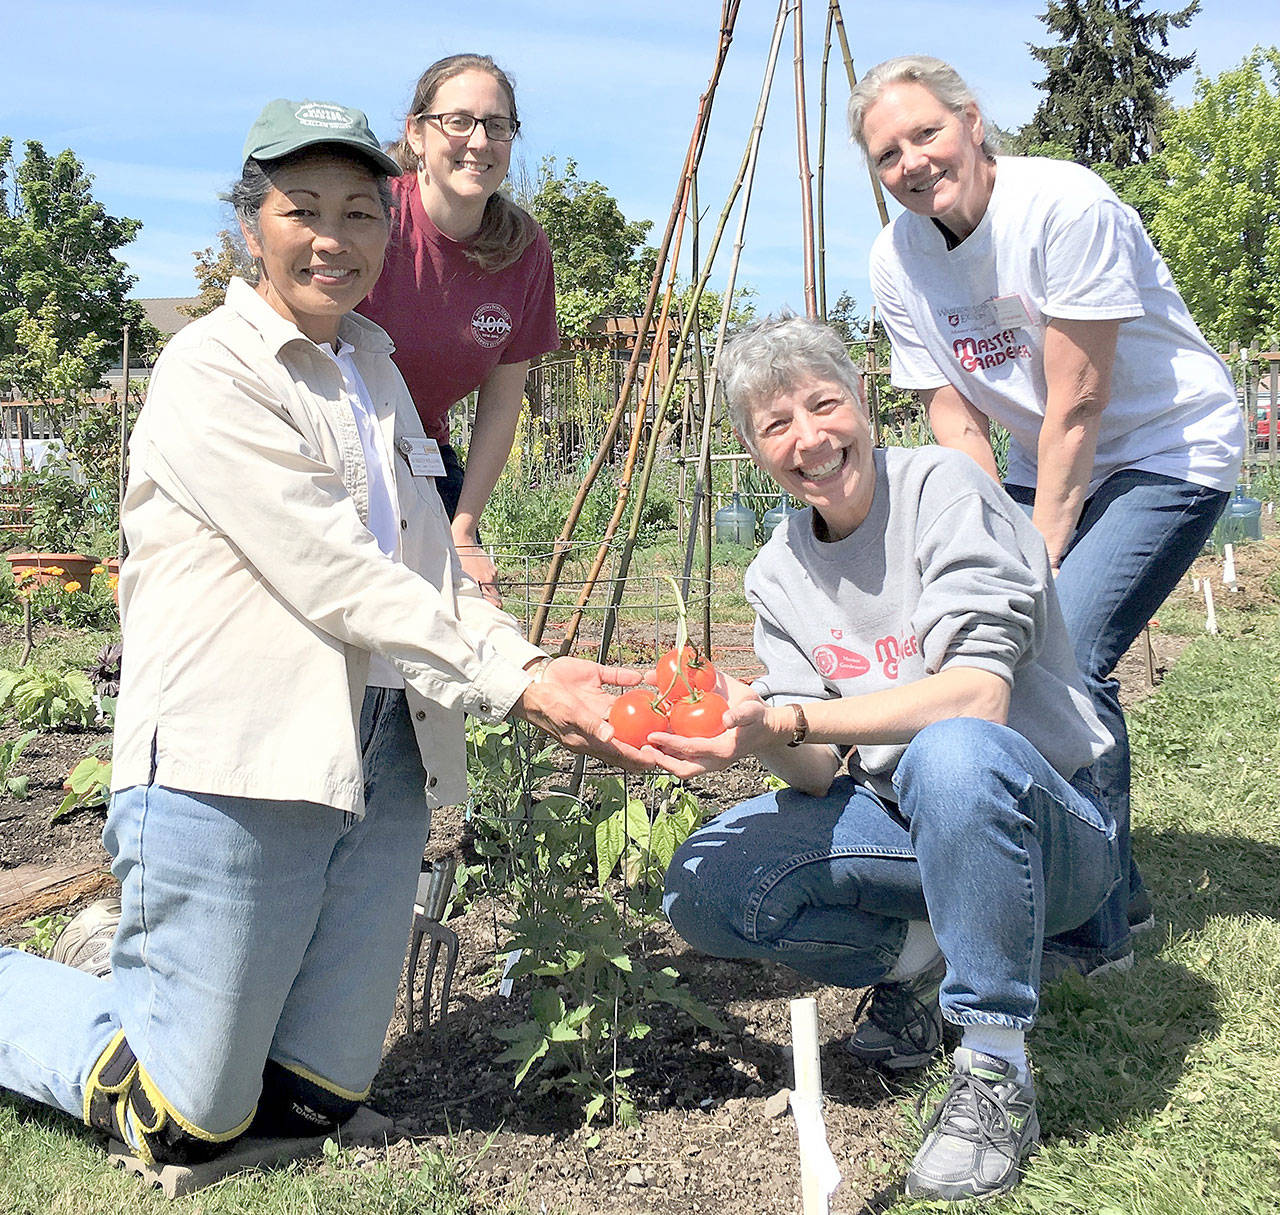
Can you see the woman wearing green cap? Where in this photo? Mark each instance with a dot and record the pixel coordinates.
(300, 647)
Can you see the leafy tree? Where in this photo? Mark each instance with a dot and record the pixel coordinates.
(1217, 215)
(215, 267)
(62, 289)
(1104, 80)
(601, 268)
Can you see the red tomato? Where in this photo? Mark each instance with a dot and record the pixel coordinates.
(699, 675)
(634, 717)
(701, 718)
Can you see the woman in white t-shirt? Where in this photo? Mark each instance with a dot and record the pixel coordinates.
(1023, 290)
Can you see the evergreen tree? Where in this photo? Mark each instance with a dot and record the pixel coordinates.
(1105, 79)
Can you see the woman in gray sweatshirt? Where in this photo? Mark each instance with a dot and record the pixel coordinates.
(922, 702)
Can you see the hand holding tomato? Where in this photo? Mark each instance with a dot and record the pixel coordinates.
(569, 702)
(746, 730)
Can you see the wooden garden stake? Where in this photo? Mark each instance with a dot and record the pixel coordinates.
(806, 176)
(743, 183)
(819, 1174)
(1210, 617)
(876, 190)
(820, 216)
(729, 13)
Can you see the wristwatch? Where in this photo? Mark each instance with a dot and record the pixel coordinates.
(802, 727)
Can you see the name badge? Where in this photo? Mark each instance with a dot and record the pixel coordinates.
(1011, 312)
(423, 456)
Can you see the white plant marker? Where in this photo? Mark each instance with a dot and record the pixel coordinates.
(1229, 567)
(819, 1173)
(1210, 617)
(1195, 584)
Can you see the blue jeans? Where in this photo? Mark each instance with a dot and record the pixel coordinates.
(986, 841)
(251, 929)
(1137, 536)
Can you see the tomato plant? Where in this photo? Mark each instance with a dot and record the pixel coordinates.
(679, 677)
(701, 718)
(635, 715)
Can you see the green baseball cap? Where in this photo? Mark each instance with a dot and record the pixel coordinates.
(289, 126)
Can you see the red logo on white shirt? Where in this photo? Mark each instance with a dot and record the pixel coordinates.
(491, 324)
(835, 662)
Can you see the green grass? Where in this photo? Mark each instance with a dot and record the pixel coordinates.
(52, 1167)
(1160, 1090)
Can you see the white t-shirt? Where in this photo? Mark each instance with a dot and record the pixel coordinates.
(384, 513)
(1056, 242)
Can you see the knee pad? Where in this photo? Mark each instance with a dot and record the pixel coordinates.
(121, 1099)
(299, 1105)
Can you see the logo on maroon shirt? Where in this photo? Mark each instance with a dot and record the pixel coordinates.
(491, 324)
(835, 662)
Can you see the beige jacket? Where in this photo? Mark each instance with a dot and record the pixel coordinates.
(253, 593)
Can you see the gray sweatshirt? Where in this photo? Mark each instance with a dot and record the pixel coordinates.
(945, 571)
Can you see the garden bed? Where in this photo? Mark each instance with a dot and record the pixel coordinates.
(710, 1135)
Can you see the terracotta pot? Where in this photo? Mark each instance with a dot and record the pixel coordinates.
(41, 567)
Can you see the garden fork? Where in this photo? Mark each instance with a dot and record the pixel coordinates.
(435, 886)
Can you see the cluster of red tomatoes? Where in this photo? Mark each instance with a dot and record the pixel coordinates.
(685, 703)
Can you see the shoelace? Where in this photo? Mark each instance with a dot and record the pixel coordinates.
(894, 1008)
(972, 1109)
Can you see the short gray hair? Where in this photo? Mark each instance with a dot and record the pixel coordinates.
(936, 75)
(774, 356)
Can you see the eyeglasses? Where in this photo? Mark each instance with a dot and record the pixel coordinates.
(498, 128)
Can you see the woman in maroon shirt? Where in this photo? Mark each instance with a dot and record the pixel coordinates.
(468, 292)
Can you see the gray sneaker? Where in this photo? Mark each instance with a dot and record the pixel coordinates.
(903, 1028)
(979, 1134)
(85, 939)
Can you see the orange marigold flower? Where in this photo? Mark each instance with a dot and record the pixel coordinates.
(113, 581)
(70, 587)
(56, 570)
(99, 569)
(19, 575)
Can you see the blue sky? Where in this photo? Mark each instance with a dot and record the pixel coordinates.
(155, 98)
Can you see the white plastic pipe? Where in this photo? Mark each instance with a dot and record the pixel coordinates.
(819, 1173)
(1229, 567)
(1210, 617)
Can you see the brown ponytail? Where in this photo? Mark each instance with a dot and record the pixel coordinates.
(506, 230)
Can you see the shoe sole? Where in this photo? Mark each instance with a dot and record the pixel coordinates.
(892, 1063)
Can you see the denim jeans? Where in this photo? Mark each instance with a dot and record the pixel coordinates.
(1138, 535)
(986, 841)
(250, 929)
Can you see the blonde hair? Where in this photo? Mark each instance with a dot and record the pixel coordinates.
(506, 230)
(936, 75)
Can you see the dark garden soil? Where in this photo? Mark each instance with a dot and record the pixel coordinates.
(711, 1133)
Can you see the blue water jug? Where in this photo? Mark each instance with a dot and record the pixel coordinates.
(736, 524)
(775, 515)
(1241, 521)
